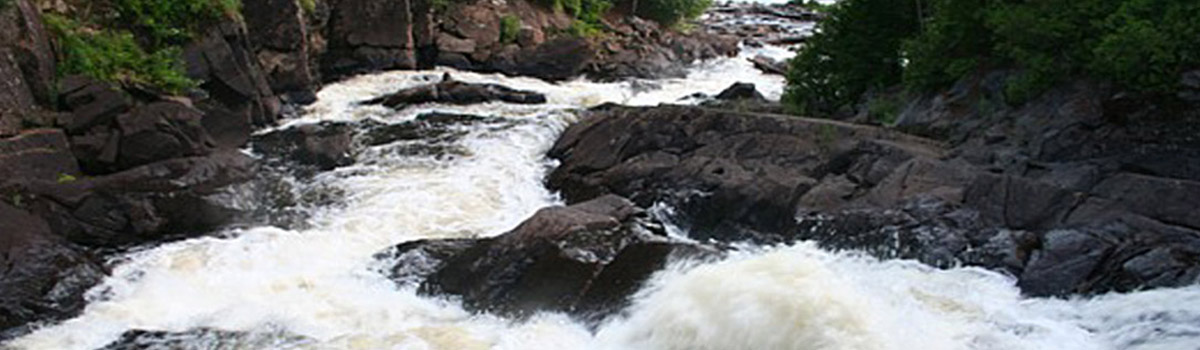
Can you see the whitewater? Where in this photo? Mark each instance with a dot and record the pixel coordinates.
(319, 286)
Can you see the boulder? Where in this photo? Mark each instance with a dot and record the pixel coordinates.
(16, 100)
(457, 92)
(324, 145)
(586, 260)
(769, 66)
(741, 91)
(161, 131)
(44, 278)
(239, 96)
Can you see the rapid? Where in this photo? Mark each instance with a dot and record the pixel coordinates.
(319, 286)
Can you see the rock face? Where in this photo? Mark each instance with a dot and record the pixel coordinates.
(369, 35)
(279, 34)
(240, 96)
(585, 259)
(1086, 221)
(457, 92)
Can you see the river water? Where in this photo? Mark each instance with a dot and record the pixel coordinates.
(318, 287)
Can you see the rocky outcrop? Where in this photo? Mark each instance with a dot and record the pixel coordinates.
(586, 259)
(203, 338)
(642, 49)
(1083, 221)
(370, 35)
(279, 35)
(239, 96)
(42, 277)
(451, 91)
(27, 67)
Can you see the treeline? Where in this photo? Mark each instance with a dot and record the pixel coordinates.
(924, 45)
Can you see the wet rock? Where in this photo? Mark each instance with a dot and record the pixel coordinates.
(204, 338)
(43, 277)
(457, 92)
(769, 66)
(240, 98)
(741, 91)
(324, 145)
(727, 171)
(585, 259)
(1067, 259)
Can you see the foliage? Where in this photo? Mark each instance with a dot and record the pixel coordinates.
(670, 12)
(855, 49)
(509, 27)
(310, 6)
(66, 178)
(172, 22)
(115, 56)
(884, 109)
(1140, 45)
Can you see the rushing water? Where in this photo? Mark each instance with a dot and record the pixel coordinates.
(317, 288)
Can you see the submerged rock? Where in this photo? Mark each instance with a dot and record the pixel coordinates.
(585, 259)
(457, 92)
(204, 339)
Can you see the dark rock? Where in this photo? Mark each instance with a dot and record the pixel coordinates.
(1067, 259)
(43, 278)
(204, 338)
(25, 38)
(325, 145)
(585, 259)
(369, 35)
(91, 103)
(239, 94)
(161, 131)
(16, 100)
(741, 91)
(558, 59)
(457, 92)
(279, 36)
(36, 154)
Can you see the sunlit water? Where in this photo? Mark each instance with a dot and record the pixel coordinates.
(319, 288)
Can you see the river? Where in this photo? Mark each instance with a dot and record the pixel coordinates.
(318, 287)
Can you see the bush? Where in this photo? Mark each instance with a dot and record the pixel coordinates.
(310, 6)
(115, 56)
(855, 49)
(671, 12)
(509, 27)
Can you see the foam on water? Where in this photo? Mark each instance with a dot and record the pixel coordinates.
(320, 284)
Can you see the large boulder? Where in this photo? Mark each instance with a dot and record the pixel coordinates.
(558, 59)
(586, 260)
(36, 154)
(457, 92)
(44, 278)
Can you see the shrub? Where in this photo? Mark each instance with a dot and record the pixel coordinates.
(670, 12)
(509, 27)
(310, 6)
(115, 56)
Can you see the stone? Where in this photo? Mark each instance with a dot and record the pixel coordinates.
(161, 131)
(24, 36)
(457, 92)
(558, 59)
(44, 278)
(1067, 259)
(452, 44)
(740, 91)
(369, 35)
(324, 145)
(36, 155)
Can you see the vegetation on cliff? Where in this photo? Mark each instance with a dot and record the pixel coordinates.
(870, 45)
(139, 42)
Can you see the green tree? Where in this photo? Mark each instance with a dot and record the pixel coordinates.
(854, 50)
